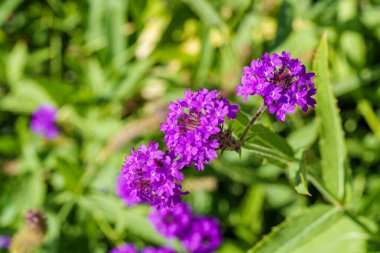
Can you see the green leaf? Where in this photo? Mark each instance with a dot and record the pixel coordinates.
(6, 9)
(298, 176)
(251, 211)
(271, 139)
(369, 116)
(112, 209)
(116, 15)
(285, 18)
(320, 229)
(260, 134)
(242, 118)
(206, 57)
(26, 97)
(268, 153)
(205, 11)
(304, 137)
(16, 62)
(331, 143)
(132, 82)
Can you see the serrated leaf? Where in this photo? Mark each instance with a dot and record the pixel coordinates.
(320, 227)
(331, 144)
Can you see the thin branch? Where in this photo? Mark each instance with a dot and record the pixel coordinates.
(254, 118)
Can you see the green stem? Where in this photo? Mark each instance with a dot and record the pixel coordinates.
(254, 118)
(324, 191)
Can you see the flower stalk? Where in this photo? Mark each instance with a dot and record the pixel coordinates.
(252, 121)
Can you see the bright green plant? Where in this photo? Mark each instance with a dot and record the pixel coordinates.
(309, 184)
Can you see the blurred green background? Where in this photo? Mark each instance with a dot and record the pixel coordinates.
(112, 66)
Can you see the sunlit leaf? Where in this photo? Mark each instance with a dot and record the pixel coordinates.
(332, 146)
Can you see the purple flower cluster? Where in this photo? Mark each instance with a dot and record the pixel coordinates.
(43, 121)
(204, 236)
(124, 248)
(282, 81)
(150, 249)
(151, 176)
(192, 130)
(193, 124)
(5, 241)
(199, 234)
(130, 248)
(172, 223)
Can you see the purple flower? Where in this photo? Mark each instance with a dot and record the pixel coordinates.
(157, 250)
(172, 223)
(5, 241)
(193, 124)
(42, 121)
(123, 191)
(204, 237)
(152, 176)
(124, 248)
(282, 82)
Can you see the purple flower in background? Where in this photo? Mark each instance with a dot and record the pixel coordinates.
(157, 250)
(4, 241)
(42, 121)
(172, 223)
(152, 177)
(124, 248)
(123, 191)
(193, 124)
(204, 237)
(282, 81)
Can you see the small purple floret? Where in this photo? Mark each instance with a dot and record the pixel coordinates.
(282, 81)
(43, 121)
(193, 123)
(157, 250)
(172, 223)
(152, 176)
(5, 241)
(123, 191)
(124, 248)
(204, 237)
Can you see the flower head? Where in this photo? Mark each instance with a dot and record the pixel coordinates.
(193, 124)
(5, 241)
(172, 223)
(152, 176)
(157, 250)
(42, 121)
(282, 81)
(124, 248)
(205, 235)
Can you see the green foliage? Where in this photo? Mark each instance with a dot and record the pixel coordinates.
(310, 184)
(331, 141)
(312, 232)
